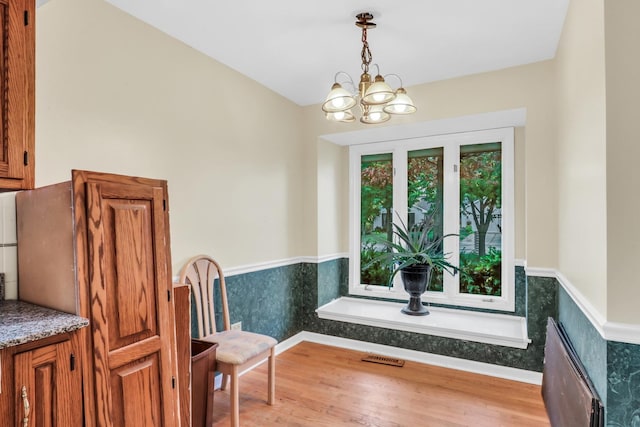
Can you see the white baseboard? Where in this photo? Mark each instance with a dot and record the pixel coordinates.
(514, 374)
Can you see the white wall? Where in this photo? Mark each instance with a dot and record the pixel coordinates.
(622, 156)
(115, 95)
(581, 152)
(333, 197)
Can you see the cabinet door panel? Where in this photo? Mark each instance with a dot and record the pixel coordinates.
(44, 381)
(131, 317)
(136, 393)
(45, 384)
(129, 261)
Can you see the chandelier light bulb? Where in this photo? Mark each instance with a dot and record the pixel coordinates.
(378, 93)
(341, 116)
(401, 104)
(338, 103)
(339, 99)
(374, 114)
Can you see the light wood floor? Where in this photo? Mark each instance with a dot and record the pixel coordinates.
(317, 385)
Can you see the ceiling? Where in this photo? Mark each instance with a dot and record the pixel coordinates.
(295, 48)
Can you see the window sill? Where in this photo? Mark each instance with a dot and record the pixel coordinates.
(489, 328)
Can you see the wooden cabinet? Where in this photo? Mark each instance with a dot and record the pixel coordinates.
(103, 241)
(42, 383)
(17, 95)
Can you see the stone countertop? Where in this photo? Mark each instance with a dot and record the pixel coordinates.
(22, 322)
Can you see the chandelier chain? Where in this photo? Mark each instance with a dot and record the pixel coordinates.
(366, 52)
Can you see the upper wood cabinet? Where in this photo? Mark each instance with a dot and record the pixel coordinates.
(17, 94)
(98, 246)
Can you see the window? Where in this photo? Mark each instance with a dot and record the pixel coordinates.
(461, 184)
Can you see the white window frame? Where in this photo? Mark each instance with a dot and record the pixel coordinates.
(451, 144)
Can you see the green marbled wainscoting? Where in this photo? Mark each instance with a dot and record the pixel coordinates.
(270, 301)
(623, 384)
(537, 298)
(613, 367)
(281, 302)
(587, 341)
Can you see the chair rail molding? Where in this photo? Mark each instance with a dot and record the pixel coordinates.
(266, 265)
(611, 331)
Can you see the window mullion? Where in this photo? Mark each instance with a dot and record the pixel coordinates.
(451, 211)
(399, 195)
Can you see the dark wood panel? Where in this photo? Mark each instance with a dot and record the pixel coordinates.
(182, 303)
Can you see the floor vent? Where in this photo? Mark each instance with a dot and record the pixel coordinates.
(374, 358)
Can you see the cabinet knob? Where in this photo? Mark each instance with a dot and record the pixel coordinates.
(27, 407)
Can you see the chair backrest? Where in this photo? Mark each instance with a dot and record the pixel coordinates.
(200, 272)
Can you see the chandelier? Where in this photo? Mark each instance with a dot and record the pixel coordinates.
(375, 97)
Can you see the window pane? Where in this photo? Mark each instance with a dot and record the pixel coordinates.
(424, 196)
(376, 214)
(480, 219)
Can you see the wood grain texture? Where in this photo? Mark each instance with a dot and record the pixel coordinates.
(125, 280)
(51, 387)
(328, 386)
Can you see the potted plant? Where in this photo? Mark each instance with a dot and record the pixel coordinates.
(414, 252)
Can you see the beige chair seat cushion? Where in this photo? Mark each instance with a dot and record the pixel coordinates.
(236, 347)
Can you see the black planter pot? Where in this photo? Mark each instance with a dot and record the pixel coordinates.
(415, 279)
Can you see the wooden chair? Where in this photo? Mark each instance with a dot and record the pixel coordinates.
(237, 351)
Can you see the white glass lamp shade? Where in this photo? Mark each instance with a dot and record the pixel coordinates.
(401, 104)
(378, 93)
(374, 114)
(341, 116)
(339, 99)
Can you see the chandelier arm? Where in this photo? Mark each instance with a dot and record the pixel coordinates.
(396, 76)
(349, 80)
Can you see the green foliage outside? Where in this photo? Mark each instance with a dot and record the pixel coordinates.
(377, 272)
(481, 275)
(481, 188)
(480, 199)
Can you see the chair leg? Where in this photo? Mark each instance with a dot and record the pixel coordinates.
(272, 376)
(235, 397)
(225, 379)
